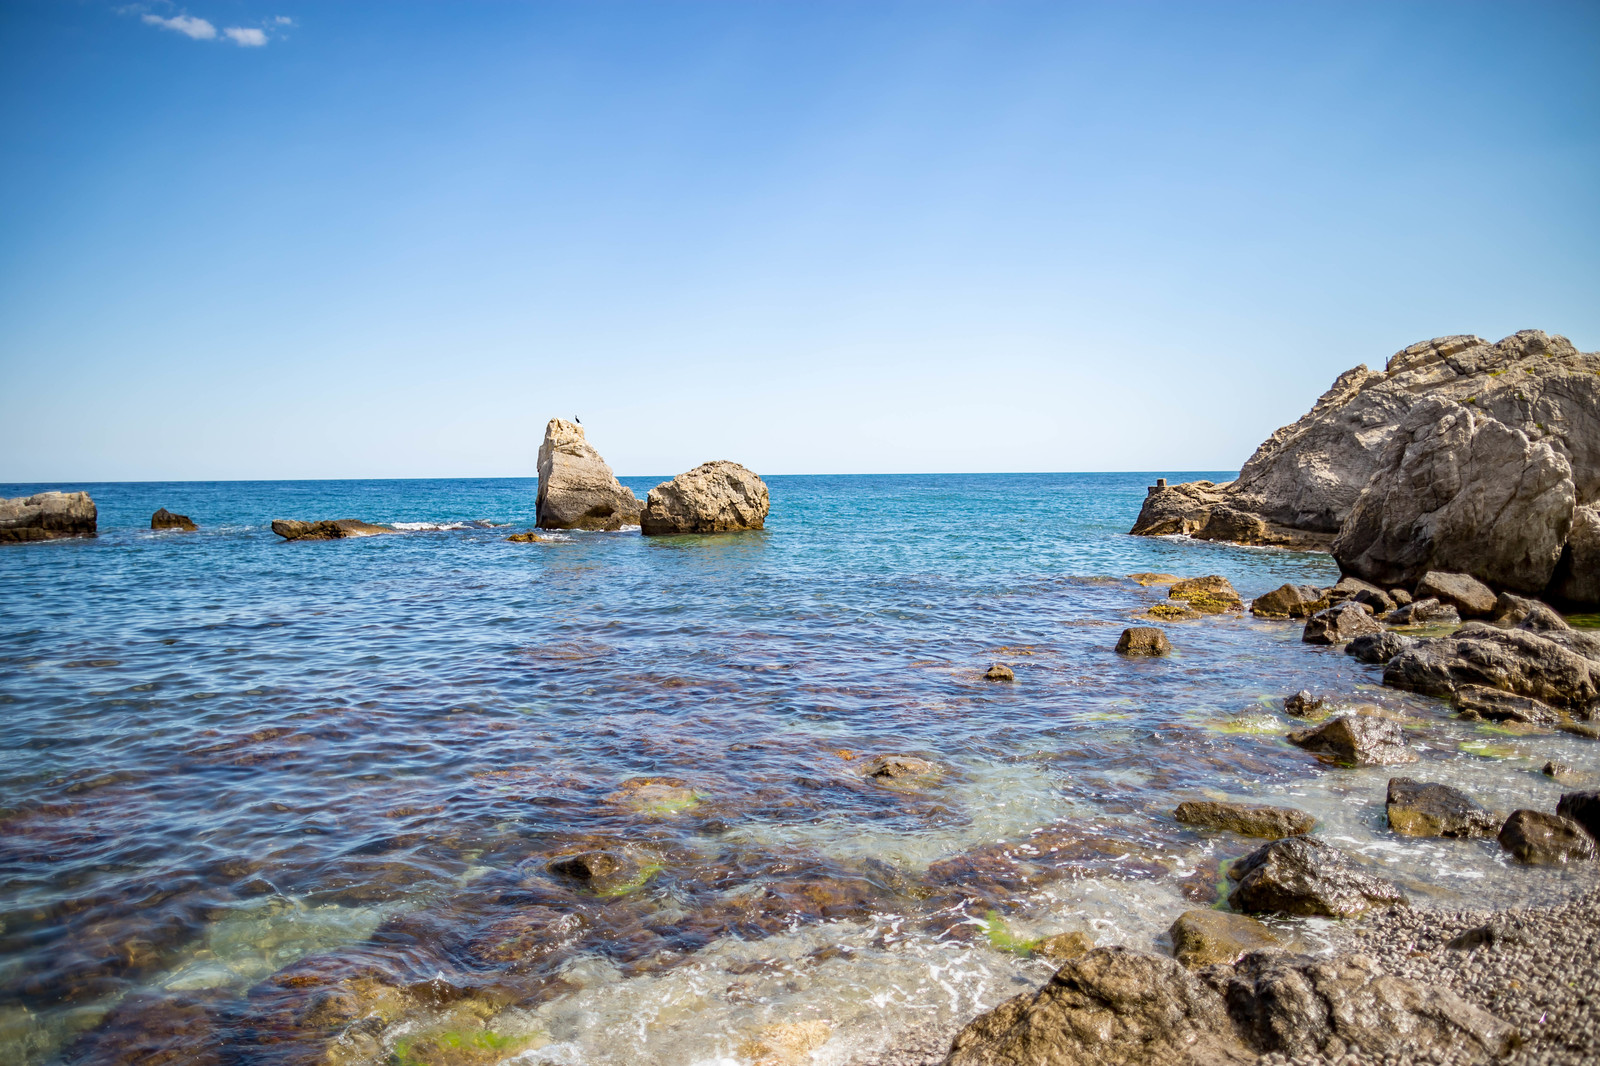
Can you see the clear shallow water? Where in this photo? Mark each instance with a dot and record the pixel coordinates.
(253, 790)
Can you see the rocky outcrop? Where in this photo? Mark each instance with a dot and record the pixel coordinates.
(1449, 480)
(1303, 876)
(165, 519)
(1479, 703)
(1512, 660)
(1577, 577)
(337, 529)
(1470, 597)
(1357, 740)
(47, 516)
(577, 490)
(1306, 479)
(1143, 640)
(1290, 601)
(1423, 809)
(1340, 624)
(1249, 820)
(1542, 839)
(1378, 648)
(715, 497)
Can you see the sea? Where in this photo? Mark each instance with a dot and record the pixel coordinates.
(602, 799)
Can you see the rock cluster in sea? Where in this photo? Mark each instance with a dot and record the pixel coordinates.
(1415, 468)
(47, 516)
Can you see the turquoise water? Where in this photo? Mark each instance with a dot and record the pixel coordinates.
(255, 792)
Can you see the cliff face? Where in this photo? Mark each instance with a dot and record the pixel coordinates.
(1303, 483)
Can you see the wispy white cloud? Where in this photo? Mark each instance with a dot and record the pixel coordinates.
(283, 20)
(246, 36)
(199, 29)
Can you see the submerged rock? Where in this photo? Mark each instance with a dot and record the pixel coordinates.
(1377, 648)
(1542, 839)
(1492, 705)
(1207, 937)
(165, 519)
(47, 516)
(1303, 876)
(1143, 640)
(605, 873)
(1290, 601)
(715, 497)
(577, 490)
(901, 772)
(337, 529)
(1470, 597)
(1337, 625)
(1423, 612)
(1245, 819)
(1512, 660)
(1357, 740)
(1064, 946)
(1419, 809)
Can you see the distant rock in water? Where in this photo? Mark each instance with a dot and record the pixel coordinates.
(165, 519)
(47, 516)
(338, 529)
(715, 497)
(1412, 470)
(577, 490)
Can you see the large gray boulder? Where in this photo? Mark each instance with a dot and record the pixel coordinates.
(1357, 740)
(47, 516)
(577, 490)
(1303, 876)
(1511, 660)
(1427, 809)
(715, 497)
(1440, 498)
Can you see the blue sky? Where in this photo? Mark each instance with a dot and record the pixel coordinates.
(243, 240)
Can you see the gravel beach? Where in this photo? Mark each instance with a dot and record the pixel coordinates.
(1536, 967)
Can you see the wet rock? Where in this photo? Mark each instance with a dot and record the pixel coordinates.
(901, 771)
(337, 529)
(1582, 808)
(1377, 648)
(153, 1029)
(1577, 577)
(1336, 625)
(1212, 594)
(1143, 640)
(1470, 597)
(999, 672)
(1147, 579)
(655, 796)
(1561, 773)
(1481, 703)
(165, 519)
(1303, 704)
(465, 1045)
(785, 1043)
(1542, 839)
(1289, 601)
(1172, 612)
(577, 489)
(1207, 937)
(1248, 820)
(1419, 809)
(715, 497)
(1512, 660)
(1110, 1007)
(1357, 740)
(1064, 946)
(1587, 730)
(1423, 613)
(1303, 876)
(605, 873)
(525, 538)
(1435, 501)
(47, 516)
(1300, 1006)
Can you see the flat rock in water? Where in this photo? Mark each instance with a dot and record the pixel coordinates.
(1109, 1007)
(1357, 740)
(1378, 648)
(337, 529)
(1249, 820)
(1424, 612)
(1545, 839)
(1470, 597)
(1289, 601)
(1512, 660)
(165, 519)
(47, 516)
(1207, 937)
(1582, 808)
(1303, 876)
(1336, 625)
(715, 497)
(1143, 640)
(1420, 809)
(1494, 705)
(1213, 594)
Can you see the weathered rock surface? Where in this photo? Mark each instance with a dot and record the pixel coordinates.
(1378, 648)
(1513, 660)
(1064, 946)
(1000, 672)
(1303, 704)
(165, 519)
(1583, 808)
(1357, 740)
(1208, 937)
(337, 529)
(1577, 578)
(1290, 601)
(715, 497)
(1109, 1007)
(1470, 597)
(606, 873)
(1448, 477)
(1249, 820)
(577, 490)
(1545, 839)
(1350, 588)
(1297, 1006)
(1212, 594)
(1143, 640)
(1492, 705)
(1303, 876)
(1421, 809)
(1423, 612)
(901, 772)
(47, 516)
(1336, 625)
